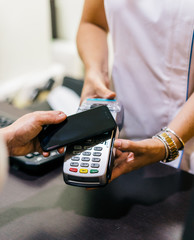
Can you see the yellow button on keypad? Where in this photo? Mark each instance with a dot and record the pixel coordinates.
(83, 170)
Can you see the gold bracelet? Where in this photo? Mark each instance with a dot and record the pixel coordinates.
(165, 145)
(173, 152)
(180, 140)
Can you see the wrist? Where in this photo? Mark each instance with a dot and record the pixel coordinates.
(96, 71)
(160, 149)
(96, 78)
(178, 141)
(172, 143)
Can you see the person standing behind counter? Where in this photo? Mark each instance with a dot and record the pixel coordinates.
(153, 71)
(163, 146)
(20, 138)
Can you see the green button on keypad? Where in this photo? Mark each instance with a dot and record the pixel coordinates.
(93, 171)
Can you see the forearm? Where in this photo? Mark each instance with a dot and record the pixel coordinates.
(92, 47)
(92, 36)
(183, 123)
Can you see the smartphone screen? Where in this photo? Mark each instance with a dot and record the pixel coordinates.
(77, 127)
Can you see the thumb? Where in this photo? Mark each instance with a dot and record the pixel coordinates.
(124, 145)
(50, 117)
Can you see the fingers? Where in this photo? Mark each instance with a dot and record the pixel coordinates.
(124, 145)
(118, 153)
(49, 117)
(96, 85)
(46, 154)
(119, 169)
(106, 93)
(61, 150)
(103, 92)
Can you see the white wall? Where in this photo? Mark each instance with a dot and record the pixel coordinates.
(28, 55)
(64, 50)
(68, 17)
(25, 34)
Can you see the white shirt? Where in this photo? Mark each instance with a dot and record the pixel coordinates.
(152, 42)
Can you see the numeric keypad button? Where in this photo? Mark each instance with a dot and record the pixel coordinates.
(97, 154)
(95, 165)
(85, 159)
(75, 158)
(74, 164)
(86, 153)
(95, 159)
(76, 152)
(97, 148)
(87, 148)
(84, 165)
(77, 147)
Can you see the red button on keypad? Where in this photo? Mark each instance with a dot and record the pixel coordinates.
(73, 169)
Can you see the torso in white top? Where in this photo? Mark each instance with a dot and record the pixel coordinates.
(152, 42)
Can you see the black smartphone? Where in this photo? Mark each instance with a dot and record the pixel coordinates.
(77, 127)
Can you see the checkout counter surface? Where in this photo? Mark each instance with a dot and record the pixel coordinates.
(147, 204)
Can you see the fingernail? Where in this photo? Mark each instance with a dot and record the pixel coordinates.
(117, 143)
(61, 114)
(130, 157)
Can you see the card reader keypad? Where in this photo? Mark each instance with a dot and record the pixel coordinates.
(86, 157)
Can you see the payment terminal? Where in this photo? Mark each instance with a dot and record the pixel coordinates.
(89, 163)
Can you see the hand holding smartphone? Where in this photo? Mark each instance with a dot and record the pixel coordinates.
(77, 127)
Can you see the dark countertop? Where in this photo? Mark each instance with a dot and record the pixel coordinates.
(147, 204)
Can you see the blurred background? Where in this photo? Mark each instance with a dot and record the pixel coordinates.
(37, 44)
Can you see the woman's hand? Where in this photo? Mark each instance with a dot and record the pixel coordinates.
(132, 155)
(96, 85)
